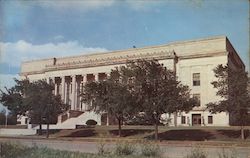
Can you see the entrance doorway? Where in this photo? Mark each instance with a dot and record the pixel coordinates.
(196, 119)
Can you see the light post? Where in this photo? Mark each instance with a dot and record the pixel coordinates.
(6, 118)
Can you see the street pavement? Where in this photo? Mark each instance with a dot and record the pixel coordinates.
(172, 150)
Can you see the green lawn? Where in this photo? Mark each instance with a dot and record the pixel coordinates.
(8, 150)
(165, 133)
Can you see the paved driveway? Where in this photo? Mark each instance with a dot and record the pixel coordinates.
(170, 150)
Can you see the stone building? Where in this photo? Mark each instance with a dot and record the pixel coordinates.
(193, 61)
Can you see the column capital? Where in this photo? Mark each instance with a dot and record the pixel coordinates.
(73, 76)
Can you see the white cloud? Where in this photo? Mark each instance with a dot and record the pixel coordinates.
(142, 5)
(58, 38)
(15, 53)
(75, 4)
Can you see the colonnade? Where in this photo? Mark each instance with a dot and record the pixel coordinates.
(70, 88)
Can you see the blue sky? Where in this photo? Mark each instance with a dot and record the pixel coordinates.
(53, 28)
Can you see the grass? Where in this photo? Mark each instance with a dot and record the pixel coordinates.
(165, 133)
(122, 150)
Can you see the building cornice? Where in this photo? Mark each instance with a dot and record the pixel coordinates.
(121, 60)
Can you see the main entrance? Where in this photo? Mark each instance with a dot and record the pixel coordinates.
(196, 119)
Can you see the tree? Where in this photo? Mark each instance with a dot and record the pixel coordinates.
(111, 96)
(142, 86)
(11, 120)
(34, 99)
(14, 98)
(158, 90)
(45, 106)
(231, 86)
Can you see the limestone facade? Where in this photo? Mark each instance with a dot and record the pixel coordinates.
(192, 60)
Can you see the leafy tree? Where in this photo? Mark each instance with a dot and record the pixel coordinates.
(158, 90)
(144, 86)
(11, 120)
(111, 96)
(14, 98)
(45, 106)
(34, 99)
(231, 86)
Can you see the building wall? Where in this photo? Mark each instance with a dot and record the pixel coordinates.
(195, 56)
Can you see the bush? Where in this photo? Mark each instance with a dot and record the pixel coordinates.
(150, 150)
(224, 154)
(196, 153)
(91, 122)
(124, 148)
(8, 150)
(101, 147)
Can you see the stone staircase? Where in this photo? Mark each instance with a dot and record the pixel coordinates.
(70, 119)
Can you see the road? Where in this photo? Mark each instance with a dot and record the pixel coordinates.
(169, 150)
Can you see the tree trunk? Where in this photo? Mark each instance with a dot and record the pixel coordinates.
(107, 119)
(242, 132)
(156, 130)
(40, 129)
(120, 127)
(175, 119)
(47, 131)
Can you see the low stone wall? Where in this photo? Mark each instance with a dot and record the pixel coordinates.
(6, 131)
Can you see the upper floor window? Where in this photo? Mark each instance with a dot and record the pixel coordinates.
(210, 119)
(196, 79)
(198, 97)
(183, 119)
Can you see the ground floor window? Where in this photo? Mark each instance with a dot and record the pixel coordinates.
(210, 119)
(183, 119)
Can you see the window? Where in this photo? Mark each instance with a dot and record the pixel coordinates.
(198, 97)
(183, 119)
(210, 119)
(196, 79)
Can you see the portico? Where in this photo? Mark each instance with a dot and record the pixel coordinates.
(70, 88)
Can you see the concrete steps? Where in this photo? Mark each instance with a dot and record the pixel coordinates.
(80, 118)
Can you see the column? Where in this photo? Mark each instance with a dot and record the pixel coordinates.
(73, 92)
(77, 95)
(56, 87)
(63, 89)
(84, 80)
(47, 80)
(96, 77)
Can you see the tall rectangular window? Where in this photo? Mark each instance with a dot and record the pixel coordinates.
(210, 119)
(196, 79)
(198, 97)
(183, 119)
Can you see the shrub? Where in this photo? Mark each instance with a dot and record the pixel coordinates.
(101, 147)
(8, 150)
(224, 154)
(196, 153)
(150, 150)
(91, 122)
(124, 148)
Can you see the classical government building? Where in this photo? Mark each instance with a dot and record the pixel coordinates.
(193, 61)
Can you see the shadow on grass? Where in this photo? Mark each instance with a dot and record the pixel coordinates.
(51, 131)
(130, 132)
(187, 134)
(82, 133)
(233, 133)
